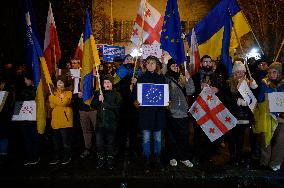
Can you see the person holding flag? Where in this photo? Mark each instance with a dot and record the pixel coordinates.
(61, 122)
(89, 74)
(206, 77)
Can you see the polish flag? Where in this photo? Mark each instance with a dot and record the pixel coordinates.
(194, 54)
(79, 49)
(211, 115)
(153, 22)
(52, 52)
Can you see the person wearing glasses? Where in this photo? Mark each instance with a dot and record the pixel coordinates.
(206, 77)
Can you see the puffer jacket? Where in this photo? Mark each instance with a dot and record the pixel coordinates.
(62, 114)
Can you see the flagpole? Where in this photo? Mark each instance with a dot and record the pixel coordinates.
(239, 42)
(139, 42)
(111, 23)
(282, 43)
(54, 54)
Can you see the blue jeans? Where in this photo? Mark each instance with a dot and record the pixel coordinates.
(147, 142)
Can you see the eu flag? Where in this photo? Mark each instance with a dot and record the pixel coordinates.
(171, 40)
(152, 95)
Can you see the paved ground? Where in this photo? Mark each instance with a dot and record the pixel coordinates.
(84, 173)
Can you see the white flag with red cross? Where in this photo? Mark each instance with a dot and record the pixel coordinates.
(211, 114)
(153, 22)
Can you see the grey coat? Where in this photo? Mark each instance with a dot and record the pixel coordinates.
(179, 105)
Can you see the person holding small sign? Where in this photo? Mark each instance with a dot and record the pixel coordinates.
(270, 124)
(240, 109)
(152, 119)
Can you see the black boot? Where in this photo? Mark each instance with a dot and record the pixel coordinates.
(158, 163)
(109, 162)
(100, 160)
(147, 165)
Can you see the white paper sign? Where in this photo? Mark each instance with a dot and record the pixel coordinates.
(3, 97)
(153, 94)
(24, 111)
(276, 101)
(151, 49)
(75, 73)
(247, 95)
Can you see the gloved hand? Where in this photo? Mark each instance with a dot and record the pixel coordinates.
(241, 102)
(253, 84)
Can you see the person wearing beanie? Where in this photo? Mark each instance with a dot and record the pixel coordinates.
(235, 103)
(177, 128)
(107, 104)
(270, 124)
(128, 126)
(61, 122)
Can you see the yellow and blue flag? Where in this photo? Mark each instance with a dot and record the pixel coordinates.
(171, 40)
(37, 61)
(90, 59)
(124, 71)
(210, 29)
(225, 52)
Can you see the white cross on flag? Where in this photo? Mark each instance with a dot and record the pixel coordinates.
(153, 22)
(211, 114)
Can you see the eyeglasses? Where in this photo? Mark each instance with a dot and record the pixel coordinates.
(263, 64)
(207, 62)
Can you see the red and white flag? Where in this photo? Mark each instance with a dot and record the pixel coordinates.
(51, 52)
(79, 49)
(194, 54)
(211, 114)
(153, 22)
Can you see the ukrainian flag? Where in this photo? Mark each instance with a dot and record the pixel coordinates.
(209, 31)
(38, 62)
(123, 72)
(90, 59)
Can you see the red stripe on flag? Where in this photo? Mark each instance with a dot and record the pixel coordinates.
(211, 114)
(154, 33)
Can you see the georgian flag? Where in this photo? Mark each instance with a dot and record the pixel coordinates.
(153, 22)
(211, 114)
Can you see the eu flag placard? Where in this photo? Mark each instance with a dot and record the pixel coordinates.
(153, 94)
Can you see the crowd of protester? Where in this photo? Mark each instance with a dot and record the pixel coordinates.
(114, 127)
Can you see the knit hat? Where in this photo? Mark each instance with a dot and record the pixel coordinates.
(107, 77)
(277, 66)
(170, 62)
(238, 66)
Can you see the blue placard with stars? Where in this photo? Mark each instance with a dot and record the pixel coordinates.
(153, 94)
